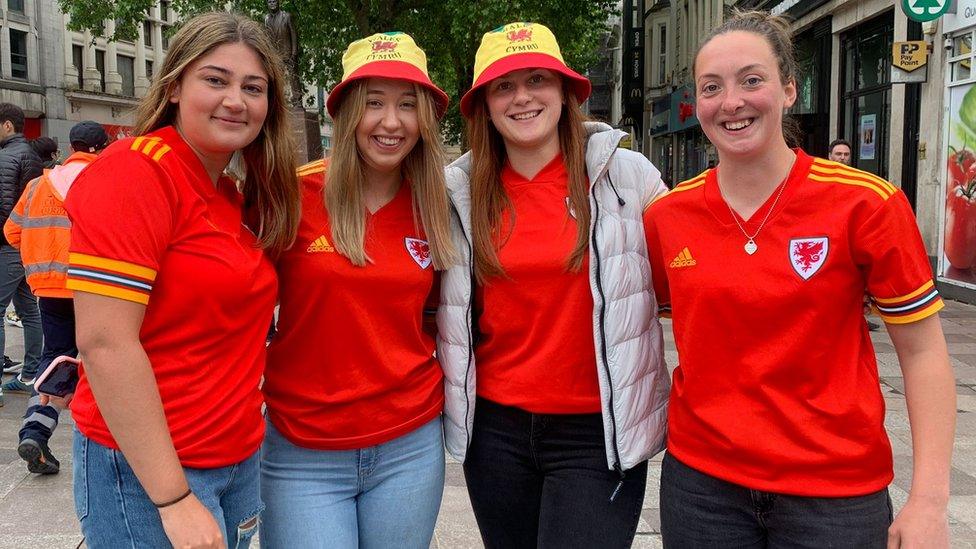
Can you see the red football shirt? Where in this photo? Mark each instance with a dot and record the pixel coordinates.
(777, 384)
(351, 365)
(148, 225)
(536, 350)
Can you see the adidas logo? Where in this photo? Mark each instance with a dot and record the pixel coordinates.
(320, 244)
(684, 259)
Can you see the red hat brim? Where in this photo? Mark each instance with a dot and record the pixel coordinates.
(388, 69)
(581, 85)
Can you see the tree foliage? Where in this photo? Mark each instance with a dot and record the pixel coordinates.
(448, 30)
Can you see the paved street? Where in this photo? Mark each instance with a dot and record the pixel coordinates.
(24, 498)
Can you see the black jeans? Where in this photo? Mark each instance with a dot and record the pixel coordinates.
(701, 511)
(58, 323)
(541, 480)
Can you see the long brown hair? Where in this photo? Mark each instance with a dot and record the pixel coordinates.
(270, 186)
(423, 166)
(489, 203)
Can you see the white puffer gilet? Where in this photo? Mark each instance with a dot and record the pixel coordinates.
(634, 382)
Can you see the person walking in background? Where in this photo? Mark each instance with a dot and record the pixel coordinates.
(173, 291)
(47, 150)
(18, 165)
(354, 452)
(571, 382)
(839, 150)
(40, 229)
(776, 434)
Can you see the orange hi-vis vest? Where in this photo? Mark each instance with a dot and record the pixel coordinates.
(40, 228)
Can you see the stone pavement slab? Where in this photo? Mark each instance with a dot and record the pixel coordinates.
(25, 497)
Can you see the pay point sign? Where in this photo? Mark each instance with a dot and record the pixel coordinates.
(906, 59)
(909, 56)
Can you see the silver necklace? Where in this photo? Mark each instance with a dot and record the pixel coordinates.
(750, 246)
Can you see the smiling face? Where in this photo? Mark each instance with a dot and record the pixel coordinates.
(222, 102)
(389, 128)
(525, 107)
(740, 95)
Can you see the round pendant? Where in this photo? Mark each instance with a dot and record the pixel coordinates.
(751, 247)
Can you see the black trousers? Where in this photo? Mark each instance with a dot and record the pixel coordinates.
(699, 511)
(58, 324)
(541, 480)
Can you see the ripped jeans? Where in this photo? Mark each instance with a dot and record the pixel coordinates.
(115, 511)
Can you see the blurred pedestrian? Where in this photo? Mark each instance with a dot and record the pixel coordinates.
(776, 430)
(18, 165)
(839, 150)
(40, 229)
(571, 382)
(354, 449)
(173, 293)
(47, 149)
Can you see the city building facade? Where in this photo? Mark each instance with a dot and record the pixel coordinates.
(60, 76)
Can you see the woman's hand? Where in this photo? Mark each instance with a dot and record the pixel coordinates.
(921, 523)
(190, 525)
(61, 403)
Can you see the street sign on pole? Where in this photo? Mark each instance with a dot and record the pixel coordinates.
(925, 10)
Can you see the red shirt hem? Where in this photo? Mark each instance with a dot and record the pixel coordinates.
(227, 460)
(797, 486)
(357, 442)
(569, 405)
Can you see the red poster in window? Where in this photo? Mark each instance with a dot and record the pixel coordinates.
(117, 132)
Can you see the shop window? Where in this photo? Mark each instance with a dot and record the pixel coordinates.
(961, 58)
(126, 70)
(18, 54)
(662, 55)
(866, 92)
(100, 66)
(78, 60)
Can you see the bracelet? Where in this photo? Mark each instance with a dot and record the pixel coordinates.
(173, 501)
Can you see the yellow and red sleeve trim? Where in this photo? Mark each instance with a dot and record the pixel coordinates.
(921, 303)
(110, 277)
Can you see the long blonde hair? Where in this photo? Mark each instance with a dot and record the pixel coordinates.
(489, 202)
(423, 166)
(270, 187)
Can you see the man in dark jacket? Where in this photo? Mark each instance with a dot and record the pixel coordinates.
(18, 165)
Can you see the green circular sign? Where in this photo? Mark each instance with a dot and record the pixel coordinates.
(925, 10)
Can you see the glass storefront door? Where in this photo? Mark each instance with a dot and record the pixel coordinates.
(866, 92)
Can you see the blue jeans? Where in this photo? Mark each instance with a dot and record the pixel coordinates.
(541, 480)
(699, 511)
(377, 497)
(115, 511)
(13, 286)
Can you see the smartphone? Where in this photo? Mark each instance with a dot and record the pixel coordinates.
(60, 378)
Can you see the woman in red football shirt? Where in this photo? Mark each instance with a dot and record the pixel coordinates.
(173, 293)
(776, 433)
(354, 452)
(571, 383)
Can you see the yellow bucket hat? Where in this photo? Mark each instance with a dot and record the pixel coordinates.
(385, 55)
(520, 46)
